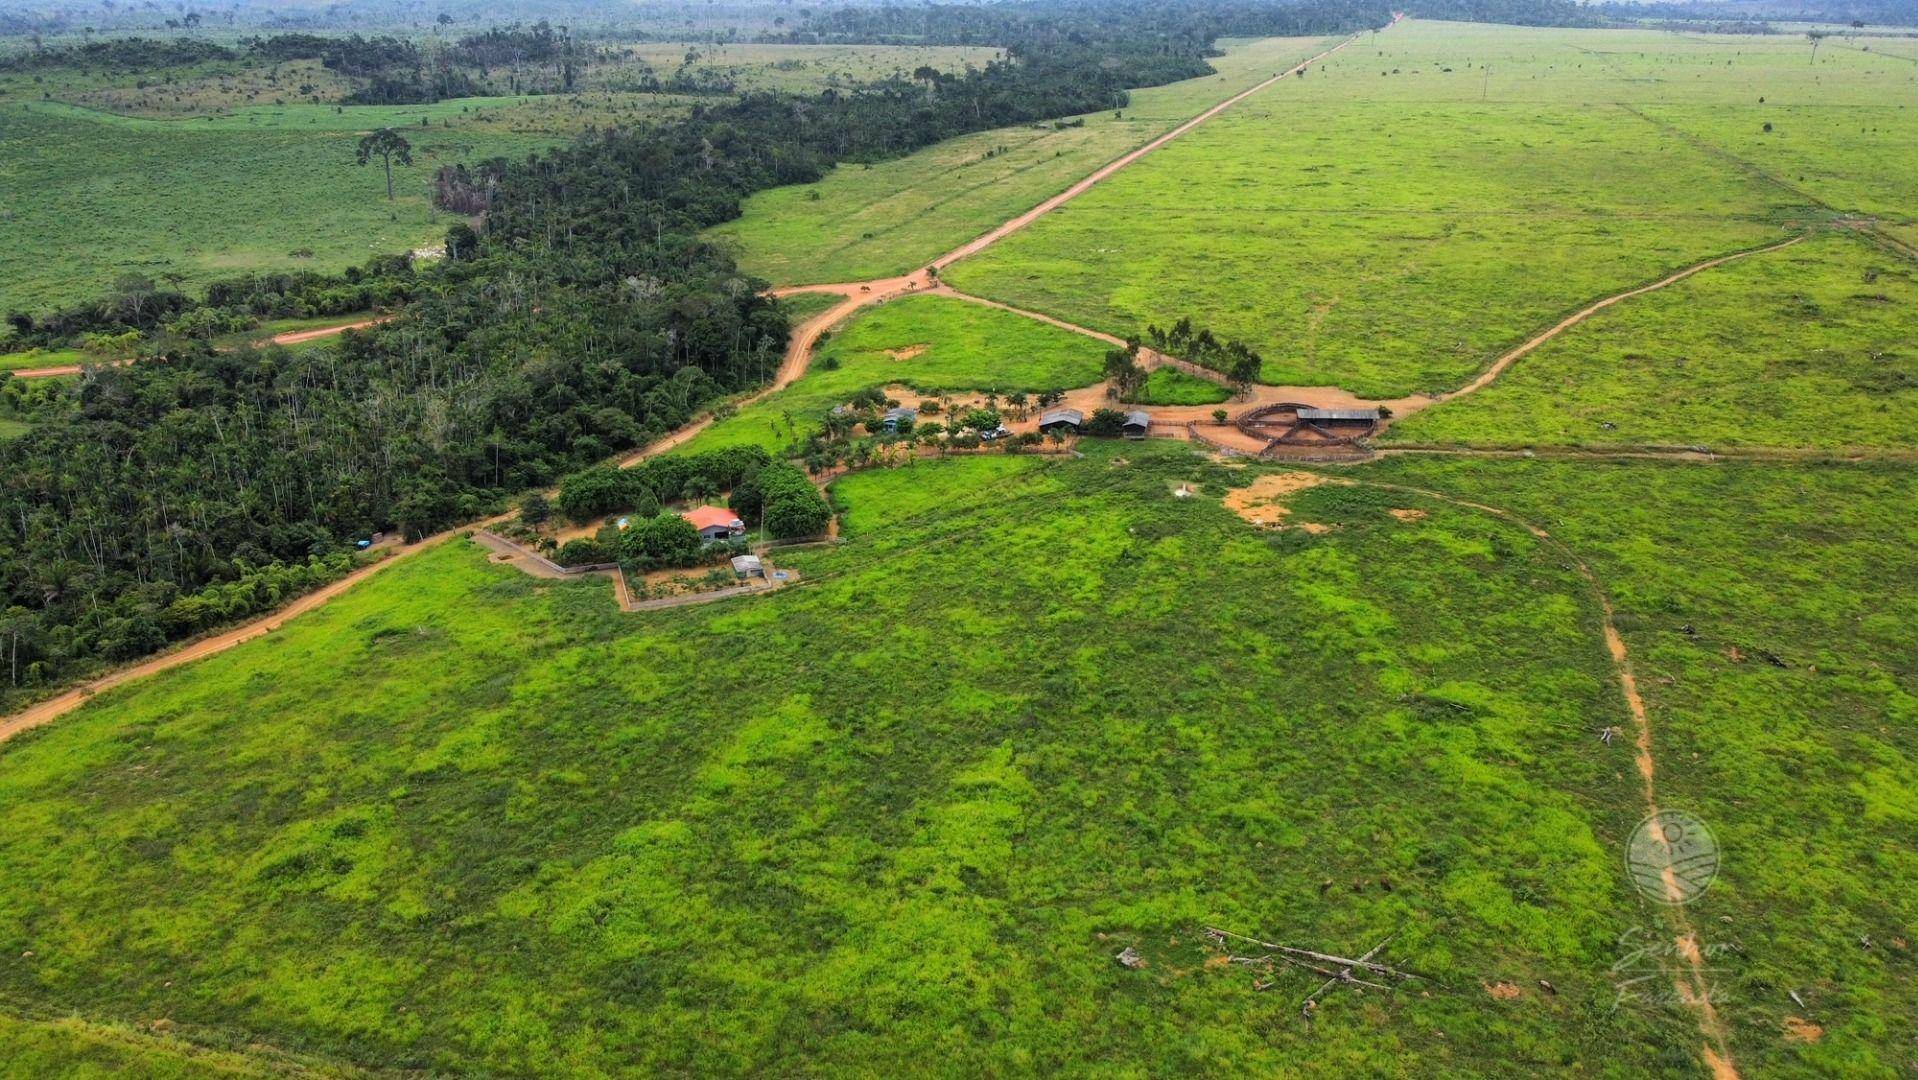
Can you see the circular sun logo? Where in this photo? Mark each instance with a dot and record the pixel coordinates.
(1672, 857)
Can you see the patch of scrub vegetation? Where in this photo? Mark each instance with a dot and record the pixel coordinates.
(932, 344)
(1066, 713)
(1771, 613)
(1811, 346)
(1378, 226)
(1170, 386)
(867, 221)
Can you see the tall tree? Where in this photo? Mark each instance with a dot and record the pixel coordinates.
(387, 145)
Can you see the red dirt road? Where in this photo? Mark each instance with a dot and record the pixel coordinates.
(294, 337)
(63, 369)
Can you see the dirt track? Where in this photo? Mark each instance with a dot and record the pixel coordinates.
(294, 337)
(1690, 982)
(291, 337)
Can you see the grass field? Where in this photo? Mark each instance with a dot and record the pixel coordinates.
(863, 222)
(1407, 211)
(802, 306)
(76, 1050)
(1810, 347)
(1170, 386)
(1772, 619)
(930, 343)
(1029, 714)
(94, 197)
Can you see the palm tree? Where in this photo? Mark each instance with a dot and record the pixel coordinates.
(387, 144)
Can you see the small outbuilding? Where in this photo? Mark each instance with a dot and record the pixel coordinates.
(748, 566)
(1137, 423)
(1063, 421)
(897, 418)
(715, 523)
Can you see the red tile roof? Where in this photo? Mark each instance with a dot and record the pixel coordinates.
(711, 517)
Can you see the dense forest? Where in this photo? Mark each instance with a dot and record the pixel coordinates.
(586, 317)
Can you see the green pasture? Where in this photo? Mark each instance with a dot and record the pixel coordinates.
(1857, 160)
(1170, 386)
(1420, 62)
(930, 343)
(93, 197)
(867, 221)
(1812, 347)
(800, 307)
(1772, 618)
(1032, 712)
(1391, 226)
(1385, 249)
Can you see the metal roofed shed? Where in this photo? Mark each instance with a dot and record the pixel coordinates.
(1137, 423)
(1365, 416)
(1061, 418)
(748, 566)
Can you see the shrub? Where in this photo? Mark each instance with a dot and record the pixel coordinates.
(593, 492)
(662, 540)
(535, 510)
(792, 507)
(581, 552)
(1105, 423)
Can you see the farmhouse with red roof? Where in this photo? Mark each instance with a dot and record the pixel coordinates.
(715, 522)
